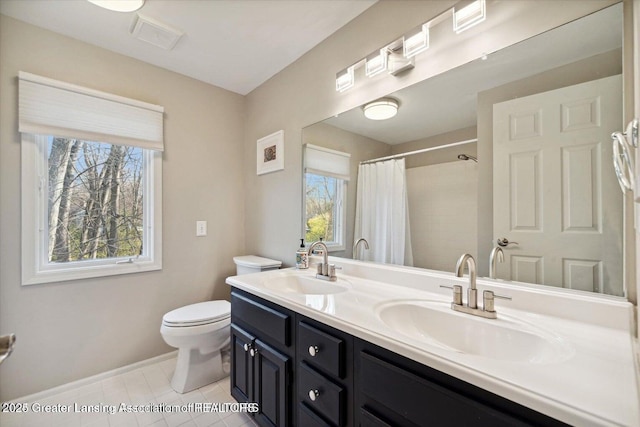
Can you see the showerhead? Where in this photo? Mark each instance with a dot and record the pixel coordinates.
(467, 157)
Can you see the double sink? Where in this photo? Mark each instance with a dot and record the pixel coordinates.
(432, 323)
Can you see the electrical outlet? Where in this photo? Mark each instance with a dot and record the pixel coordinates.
(201, 228)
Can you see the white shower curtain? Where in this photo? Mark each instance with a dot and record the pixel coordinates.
(382, 212)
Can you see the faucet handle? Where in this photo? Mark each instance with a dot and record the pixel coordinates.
(488, 298)
(457, 293)
(332, 270)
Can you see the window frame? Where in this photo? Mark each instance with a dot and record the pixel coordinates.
(340, 216)
(36, 269)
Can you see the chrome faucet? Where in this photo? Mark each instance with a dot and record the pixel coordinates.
(488, 309)
(472, 293)
(355, 246)
(495, 257)
(325, 270)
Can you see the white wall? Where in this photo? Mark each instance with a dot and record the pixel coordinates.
(67, 331)
(443, 213)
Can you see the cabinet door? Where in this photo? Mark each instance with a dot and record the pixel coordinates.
(272, 377)
(241, 363)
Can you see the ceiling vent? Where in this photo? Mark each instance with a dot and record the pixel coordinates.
(155, 32)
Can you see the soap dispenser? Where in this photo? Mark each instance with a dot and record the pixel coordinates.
(302, 257)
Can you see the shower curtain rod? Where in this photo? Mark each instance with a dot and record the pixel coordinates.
(424, 150)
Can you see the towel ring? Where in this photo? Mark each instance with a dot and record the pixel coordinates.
(623, 161)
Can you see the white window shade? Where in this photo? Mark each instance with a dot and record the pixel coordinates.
(51, 107)
(324, 161)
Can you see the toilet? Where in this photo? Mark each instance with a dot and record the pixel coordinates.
(248, 264)
(201, 333)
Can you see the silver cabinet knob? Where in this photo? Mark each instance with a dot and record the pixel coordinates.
(253, 351)
(313, 350)
(313, 394)
(246, 347)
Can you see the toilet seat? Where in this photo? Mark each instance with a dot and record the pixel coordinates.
(202, 313)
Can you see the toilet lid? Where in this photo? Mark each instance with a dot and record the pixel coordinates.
(201, 313)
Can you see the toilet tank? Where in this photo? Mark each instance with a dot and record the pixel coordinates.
(247, 264)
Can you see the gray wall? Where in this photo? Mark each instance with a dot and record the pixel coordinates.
(75, 329)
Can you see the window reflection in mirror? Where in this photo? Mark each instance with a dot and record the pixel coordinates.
(324, 203)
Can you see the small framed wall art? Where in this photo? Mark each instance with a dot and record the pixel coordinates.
(270, 153)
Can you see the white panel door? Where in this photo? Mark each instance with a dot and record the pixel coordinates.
(554, 188)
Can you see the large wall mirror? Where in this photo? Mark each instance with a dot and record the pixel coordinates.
(513, 146)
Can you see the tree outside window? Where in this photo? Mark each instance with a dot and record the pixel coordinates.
(95, 200)
(323, 200)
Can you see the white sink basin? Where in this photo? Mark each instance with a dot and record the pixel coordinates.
(306, 285)
(505, 338)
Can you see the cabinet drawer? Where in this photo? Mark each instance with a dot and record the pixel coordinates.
(268, 321)
(367, 419)
(330, 400)
(321, 350)
(307, 418)
(417, 399)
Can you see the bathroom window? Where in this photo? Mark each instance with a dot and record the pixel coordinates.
(89, 208)
(92, 207)
(324, 207)
(326, 173)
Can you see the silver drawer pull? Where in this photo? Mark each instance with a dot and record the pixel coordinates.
(313, 350)
(313, 394)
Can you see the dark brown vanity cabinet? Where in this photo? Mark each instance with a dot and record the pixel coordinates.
(324, 374)
(391, 390)
(262, 358)
(304, 373)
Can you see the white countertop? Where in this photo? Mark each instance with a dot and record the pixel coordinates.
(594, 383)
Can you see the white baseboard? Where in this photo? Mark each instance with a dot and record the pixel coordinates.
(94, 378)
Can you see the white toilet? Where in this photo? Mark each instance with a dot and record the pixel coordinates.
(247, 264)
(201, 333)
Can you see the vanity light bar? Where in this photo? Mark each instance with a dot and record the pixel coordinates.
(415, 41)
(466, 14)
(376, 62)
(345, 79)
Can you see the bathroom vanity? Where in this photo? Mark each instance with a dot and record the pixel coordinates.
(381, 347)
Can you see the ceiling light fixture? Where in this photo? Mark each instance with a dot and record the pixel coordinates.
(466, 15)
(381, 109)
(119, 5)
(416, 41)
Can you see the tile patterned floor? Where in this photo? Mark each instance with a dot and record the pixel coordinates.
(143, 386)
